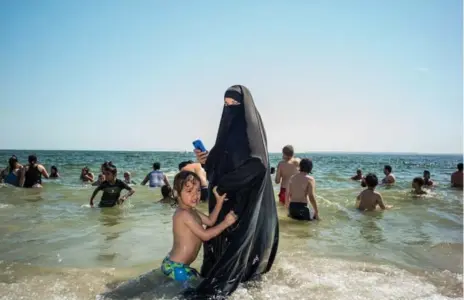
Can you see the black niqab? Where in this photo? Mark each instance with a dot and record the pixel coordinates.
(238, 165)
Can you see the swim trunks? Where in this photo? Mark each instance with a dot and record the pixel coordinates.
(178, 271)
(204, 194)
(299, 211)
(282, 195)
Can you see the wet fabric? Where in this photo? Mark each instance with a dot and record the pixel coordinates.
(239, 165)
(111, 192)
(33, 176)
(282, 194)
(299, 211)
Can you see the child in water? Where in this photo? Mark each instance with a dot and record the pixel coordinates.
(99, 181)
(166, 192)
(369, 199)
(417, 184)
(187, 227)
(127, 178)
(54, 172)
(111, 188)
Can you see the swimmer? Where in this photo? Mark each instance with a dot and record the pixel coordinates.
(187, 227)
(456, 177)
(417, 184)
(86, 175)
(31, 175)
(11, 175)
(369, 199)
(127, 178)
(358, 176)
(197, 169)
(427, 181)
(100, 180)
(389, 177)
(166, 192)
(54, 172)
(301, 188)
(156, 177)
(111, 188)
(286, 168)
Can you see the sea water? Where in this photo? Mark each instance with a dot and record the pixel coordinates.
(54, 246)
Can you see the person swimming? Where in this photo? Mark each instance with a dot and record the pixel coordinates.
(54, 172)
(427, 181)
(301, 190)
(13, 172)
(358, 176)
(127, 178)
(417, 185)
(156, 177)
(86, 175)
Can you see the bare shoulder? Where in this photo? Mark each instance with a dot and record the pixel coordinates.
(181, 215)
(377, 194)
(311, 180)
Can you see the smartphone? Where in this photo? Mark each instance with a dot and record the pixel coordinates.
(198, 144)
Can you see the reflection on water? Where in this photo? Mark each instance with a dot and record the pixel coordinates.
(370, 229)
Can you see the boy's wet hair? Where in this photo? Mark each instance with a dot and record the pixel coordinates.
(371, 180)
(388, 168)
(419, 180)
(166, 191)
(184, 163)
(54, 168)
(460, 166)
(288, 150)
(426, 172)
(156, 166)
(306, 165)
(182, 178)
(32, 158)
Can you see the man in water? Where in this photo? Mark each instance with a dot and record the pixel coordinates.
(286, 168)
(301, 188)
(358, 176)
(427, 181)
(456, 177)
(156, 177)
(389, 177)
(417, 185)
(369, 199)
(197, 169)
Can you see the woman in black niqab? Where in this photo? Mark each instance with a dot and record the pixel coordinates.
(238, 165)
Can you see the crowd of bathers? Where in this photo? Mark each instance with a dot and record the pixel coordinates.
(30, 176)
(297, 187)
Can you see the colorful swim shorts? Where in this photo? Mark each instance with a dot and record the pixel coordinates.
(178, 271)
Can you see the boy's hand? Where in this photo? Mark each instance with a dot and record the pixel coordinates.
(230, 218)
(201, 156)
(219, 199)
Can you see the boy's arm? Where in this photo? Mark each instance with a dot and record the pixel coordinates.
(145, 180)
(380, 201)
(278, 176)
(212, 218)
(241, 176)
(199, 231)
(94, 194)
(312, 196)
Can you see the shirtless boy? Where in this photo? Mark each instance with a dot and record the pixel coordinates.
(188, 230)
(301, 188)
(456, 177)
(389, 177)
(286, 168)
(417, 184)
(369, 198)
(427, 181)
(197, 169)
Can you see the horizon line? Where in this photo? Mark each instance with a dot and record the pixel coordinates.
(183, 151)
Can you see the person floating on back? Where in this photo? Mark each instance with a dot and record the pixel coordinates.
(156, 177)
(286, 168)
(369, 199)
(111, 188)
(166, 192)
(187, 227)
(457, 178)
(301, 188)
(417, 185)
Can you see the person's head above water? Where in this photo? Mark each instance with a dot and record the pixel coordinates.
(53, 170)
(166, 191)
(184, 163)
(460, 167)
(418, 183)
(110, 172)
(306, 165)
(187, 188)
(387, 169)
(156, 166)
(371, 180)
(12, 162)
(32, 159)
(287, 152)
(426, 174)
(359, 172)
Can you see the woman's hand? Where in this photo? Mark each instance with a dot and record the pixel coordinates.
(201, 156)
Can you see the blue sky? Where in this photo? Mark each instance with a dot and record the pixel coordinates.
(368, 76)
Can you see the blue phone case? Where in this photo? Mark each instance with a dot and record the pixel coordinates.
(198, 144)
